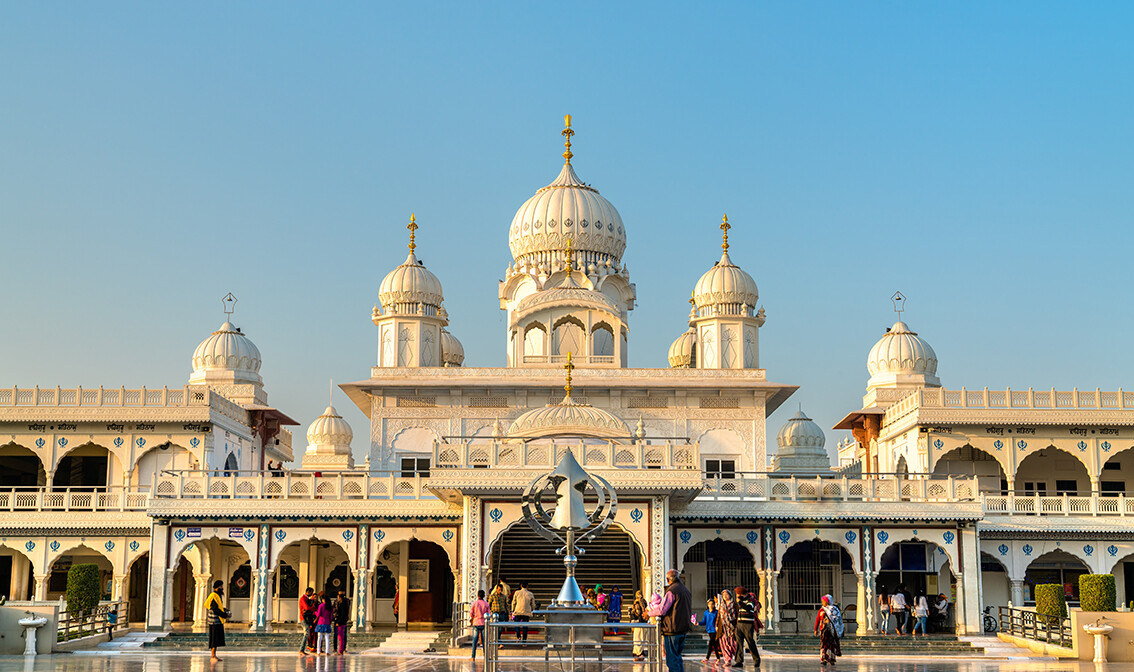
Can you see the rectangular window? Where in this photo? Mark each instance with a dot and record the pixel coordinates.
(1066, 487)
(1112, 466)
(412, 466)
(720, 468)
(1113, 487)
(1036, 488)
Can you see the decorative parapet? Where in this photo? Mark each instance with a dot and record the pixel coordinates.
(1057, 505)
(65, 500)
(54, 398)
(519, 455)
(764, 487)
(1009, 399)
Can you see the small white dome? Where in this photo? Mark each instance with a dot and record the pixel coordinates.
(800, 432)
(330, 431)
(227, 350)
(410, 284)
(567, 209)
(901, 351)
(683, 352)
(452, 352)
(726, 284)
(568, 418)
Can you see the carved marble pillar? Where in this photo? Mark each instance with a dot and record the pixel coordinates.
(41, 587)
(868, 603)
(201, 590)
(1016, 592)
(471, 545)
(261, 580)
(361, 605)
(771, 609)
(166, 599)
(120, 587)
(863, 605)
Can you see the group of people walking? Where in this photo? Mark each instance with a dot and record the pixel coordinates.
(326, 620)
(502, 605)
(898, 607)
(732, 622)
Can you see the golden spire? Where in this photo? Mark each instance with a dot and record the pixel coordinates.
(692, 301)
(567, 388)
(567, 133)
(570, 252)
(412, 226)
(725, 226)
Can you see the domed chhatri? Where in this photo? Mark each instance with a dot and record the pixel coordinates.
(901, 358)
(801, 447)
(568, 418)
(410, 284)
(227, 350)
(683, 352)
(452, 352)
(724, 316)
(328, 442)
(567, 208)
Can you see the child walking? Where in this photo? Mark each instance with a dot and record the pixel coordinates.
(709, 620)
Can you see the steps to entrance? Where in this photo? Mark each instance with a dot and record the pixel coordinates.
(129, 641)
(933, 645)
(406, 642)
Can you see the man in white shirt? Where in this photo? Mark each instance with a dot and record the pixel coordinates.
(523, 602)
(900, 610)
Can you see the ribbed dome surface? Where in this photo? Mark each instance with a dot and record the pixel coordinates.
(725, 284)
(410, 283)
(682, 353)
(800, 432)
(566, 209)
(901, 351)
(330, 430)
(568, 418)
(452, 352)
(227, 349)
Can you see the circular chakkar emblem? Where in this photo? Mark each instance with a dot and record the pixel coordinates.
(567, 485)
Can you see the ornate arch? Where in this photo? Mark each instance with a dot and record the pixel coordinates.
(1051, 446)
(747, 538)
(72, 545)
(999, 460)
(885, 539)
(343, 538)
(180, 541)
(110, 452)
(845, 538)
(1110, 456)
(447, 537)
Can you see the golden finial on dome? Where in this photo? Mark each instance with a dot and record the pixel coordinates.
(725, 226)
(569, 366)
(412, 226)
(567, 133)
(570, 263)
(692, 301)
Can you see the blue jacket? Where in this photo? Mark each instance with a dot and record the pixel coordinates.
(709, 620)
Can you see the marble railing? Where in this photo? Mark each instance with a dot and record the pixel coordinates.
(518, 455)
(196, 484)
(112, 498)
(939, 398)
(1058, 505)
(835, 487)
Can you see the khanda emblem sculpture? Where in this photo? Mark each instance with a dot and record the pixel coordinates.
(569, 523)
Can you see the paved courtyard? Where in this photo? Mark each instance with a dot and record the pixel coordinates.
(270, 662)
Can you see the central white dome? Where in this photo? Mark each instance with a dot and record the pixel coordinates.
(567, 209)
(330, 431)
(227, 350)
(901, 351)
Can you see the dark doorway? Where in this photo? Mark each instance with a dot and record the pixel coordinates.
(20, 468)
(1128, 581)
(340, 578)
(137, 592)
(87, 471)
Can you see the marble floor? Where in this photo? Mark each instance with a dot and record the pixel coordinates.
(269, 662)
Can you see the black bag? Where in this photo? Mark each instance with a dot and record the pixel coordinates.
(309, 617)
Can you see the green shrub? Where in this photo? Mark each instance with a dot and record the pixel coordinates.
(1096, 592)
(83, 589)
(1050, 602)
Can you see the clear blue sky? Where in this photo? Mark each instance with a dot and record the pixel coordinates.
(977, 156)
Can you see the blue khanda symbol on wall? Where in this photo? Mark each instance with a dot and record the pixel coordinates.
(347, 535)
(685, 536)
(39, 443)
(1106, 446)
(118, 442)
(194, 442)
(1003, 548)
(62, 442)
(1089, 550)
(1027, 549)
(248, 534)
(447, 535)
(54, 546)
(141, 442)
(109, 545)
(280, 535)
(1022, 445)
(998, 444)
(179, 535)
(752, 537)
(948, 537)
(784, 536)
(379, 535)
(496, 515)
(30, 545)
(1082, 446)
(850, 536)
(134, 545)
(1112, 549)
(882, 536)
(937, 443)
(636, 515)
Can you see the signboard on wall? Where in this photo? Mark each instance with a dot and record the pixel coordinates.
(418, 576)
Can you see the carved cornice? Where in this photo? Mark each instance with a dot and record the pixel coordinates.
(1032, 525)
(819, 512)
(71, 520)
(275, 509)
(685, 482)
(1062, 535)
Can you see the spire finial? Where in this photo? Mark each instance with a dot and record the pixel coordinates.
(899, 300)
(331, 394)
(229, 303)
(569, 367)
(567, 133)
(692, 300)
(412, 226)
(570, 252)
(725, 226)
